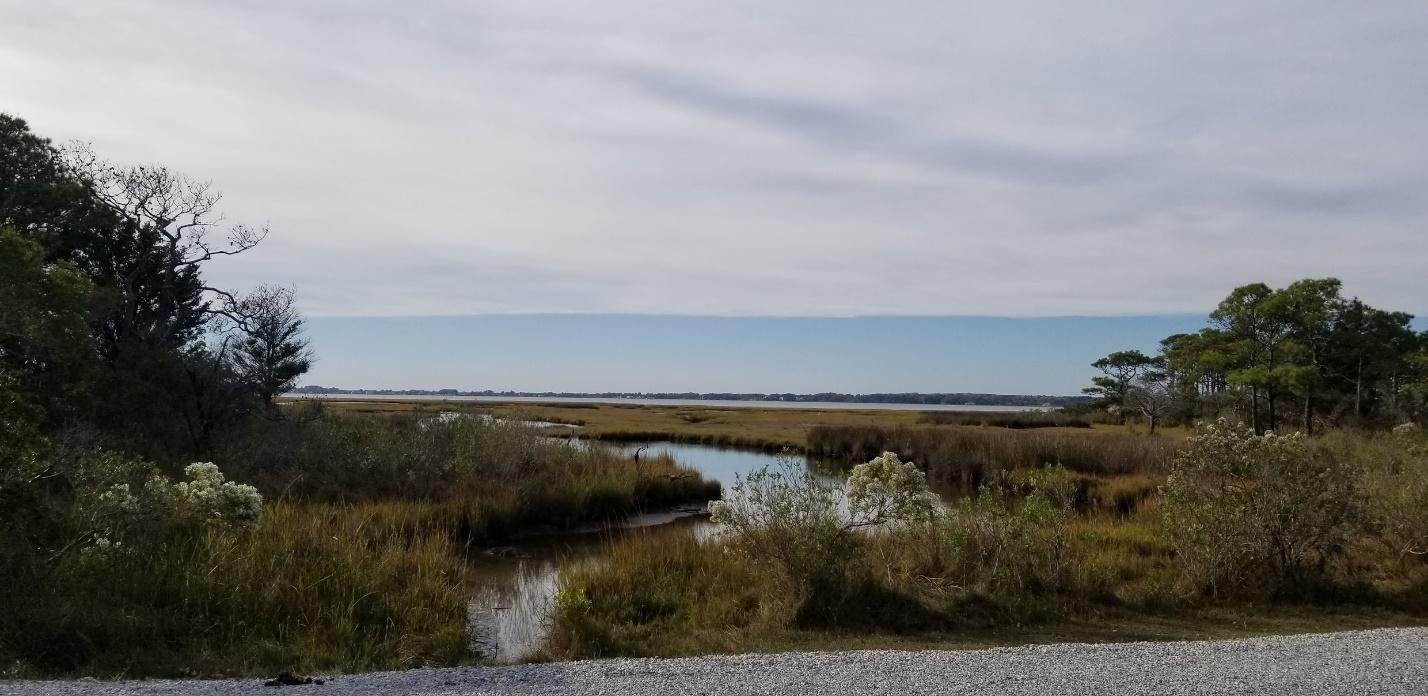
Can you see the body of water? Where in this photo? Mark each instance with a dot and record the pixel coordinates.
(706, 403)
(509, 616)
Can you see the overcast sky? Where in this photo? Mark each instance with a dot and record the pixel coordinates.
(754, 158)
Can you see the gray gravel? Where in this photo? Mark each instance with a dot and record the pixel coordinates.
(1388, 661)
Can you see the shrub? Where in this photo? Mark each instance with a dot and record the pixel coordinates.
(998, 543)
(1247, 511)
(1396, 483)
(788, 516)
(803, 523)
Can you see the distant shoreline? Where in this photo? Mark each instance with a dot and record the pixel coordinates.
(670, 401)
(905, 398)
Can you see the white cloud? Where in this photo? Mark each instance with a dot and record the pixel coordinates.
(1020, 158)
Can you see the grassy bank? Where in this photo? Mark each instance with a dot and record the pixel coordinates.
(311, 587)
(481, 481)
(1106, 465)
(1316, 535)
(357, 561)
(767, 429)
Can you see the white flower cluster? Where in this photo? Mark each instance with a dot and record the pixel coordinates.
(207, 496)
(1235, 450)
(1405, 429)
(119, 499)
(719, 511)
(886, 488)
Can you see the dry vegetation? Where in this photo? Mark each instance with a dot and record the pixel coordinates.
(357, 561)
(1037, 552)
(768, 429)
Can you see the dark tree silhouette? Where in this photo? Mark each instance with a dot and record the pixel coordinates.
(272, 352)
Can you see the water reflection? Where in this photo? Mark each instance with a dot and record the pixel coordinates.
(509, 617)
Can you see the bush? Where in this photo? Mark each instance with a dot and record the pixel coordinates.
(1396, 484)
(996, 544)
(1247, 511)
(803, 523)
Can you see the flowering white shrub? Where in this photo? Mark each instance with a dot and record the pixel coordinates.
(1405, 429)
(208, 497)
(803, 522)
(886, 489)
(121, 517)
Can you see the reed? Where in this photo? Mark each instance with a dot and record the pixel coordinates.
(1015, 421)
(311, 588)
(966, 458)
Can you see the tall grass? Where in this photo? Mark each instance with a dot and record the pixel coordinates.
(1039, 548)
(965, 458)
(1015, 421)
(352, 565)
(481, 481)
(312, 587)
(713, 439)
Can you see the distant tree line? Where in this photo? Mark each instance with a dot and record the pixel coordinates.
(954, 399)
(1303, 356)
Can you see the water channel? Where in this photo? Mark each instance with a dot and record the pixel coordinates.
(508, 617)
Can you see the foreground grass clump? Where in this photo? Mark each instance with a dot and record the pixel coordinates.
(323, 587)
(1253, 533)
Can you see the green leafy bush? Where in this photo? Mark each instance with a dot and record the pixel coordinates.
(1249, 512)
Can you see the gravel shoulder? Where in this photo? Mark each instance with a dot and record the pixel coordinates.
(1386, 661)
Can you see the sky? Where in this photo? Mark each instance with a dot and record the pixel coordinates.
(1126, 160)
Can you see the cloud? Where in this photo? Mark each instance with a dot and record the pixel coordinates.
(738, 158)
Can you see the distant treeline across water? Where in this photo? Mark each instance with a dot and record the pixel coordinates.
(911, 398)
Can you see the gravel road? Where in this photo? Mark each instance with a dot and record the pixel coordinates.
(1388, 661)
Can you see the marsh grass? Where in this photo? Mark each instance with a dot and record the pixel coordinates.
(966, 458)
(311, 588)
(356, 563)
(1024, 420)
(480, 481)
(998, 568)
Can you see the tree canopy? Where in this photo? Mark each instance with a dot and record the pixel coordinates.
(1300, 355)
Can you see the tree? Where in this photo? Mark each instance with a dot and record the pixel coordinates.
(1152, 395)
(44, 202)
(1254, 332)
(1119, 371)
(1369, 350)
(45, 344)
(152, 268)
(1308, 310)
(272, 352)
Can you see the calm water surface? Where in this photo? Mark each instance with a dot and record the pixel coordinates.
(509, 616)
